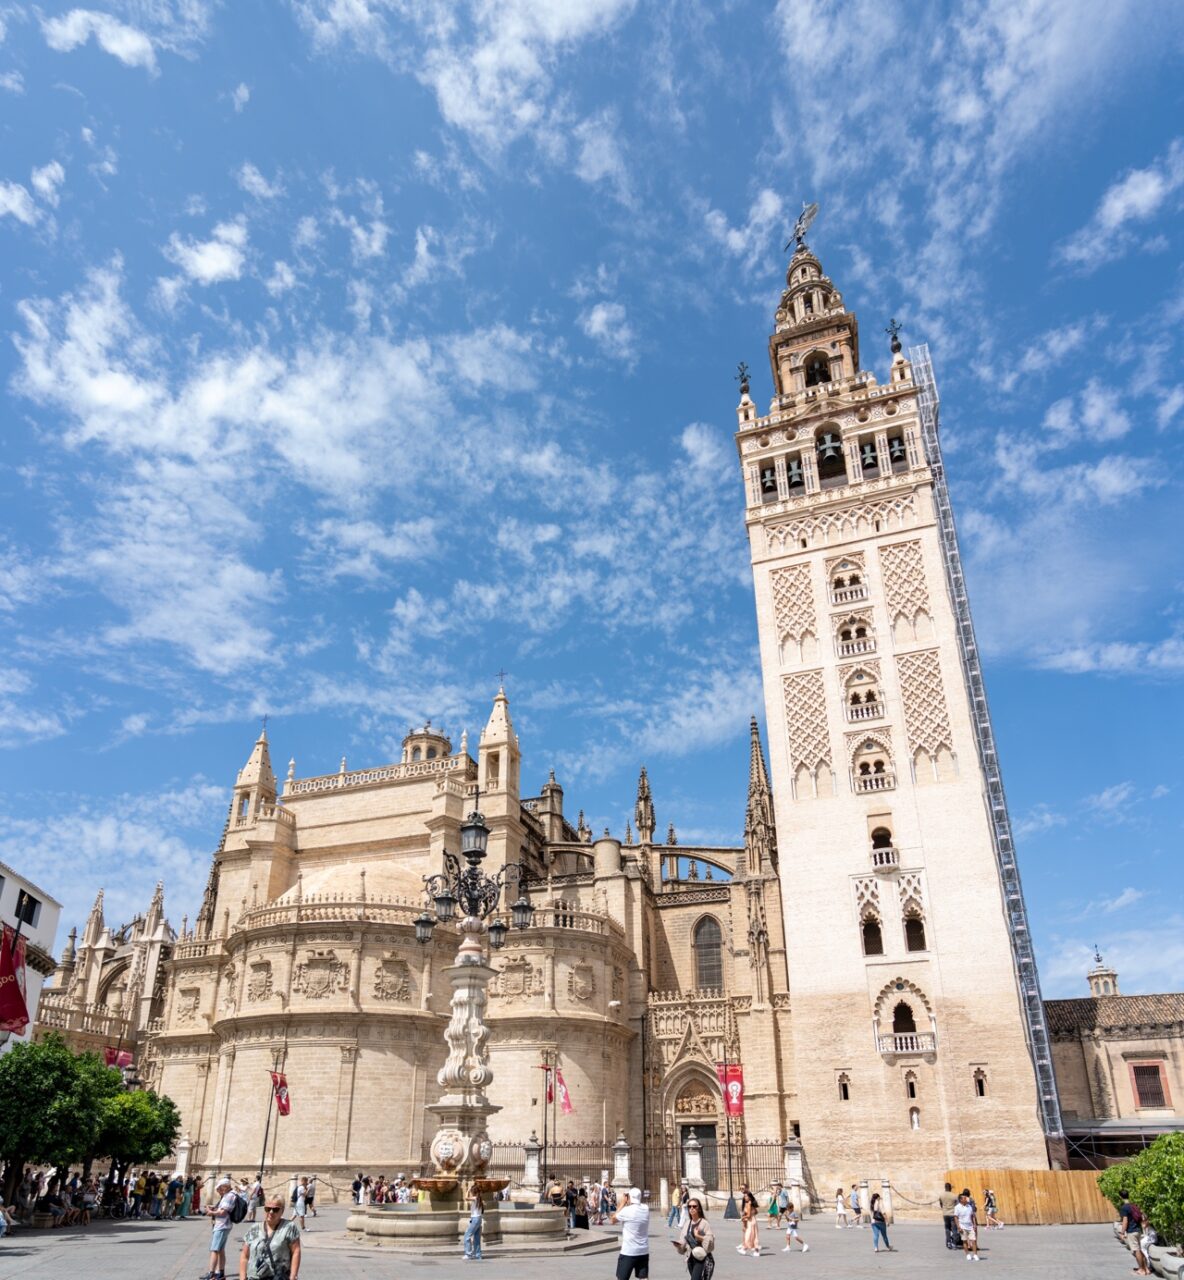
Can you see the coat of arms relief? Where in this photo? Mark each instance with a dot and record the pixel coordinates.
(320, 975)
(392, 979)
(581, 981)
(259, 983)
(518, 977)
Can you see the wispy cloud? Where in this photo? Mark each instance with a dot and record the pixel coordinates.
(129, 44)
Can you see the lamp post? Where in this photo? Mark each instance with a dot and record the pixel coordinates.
(461, 1146)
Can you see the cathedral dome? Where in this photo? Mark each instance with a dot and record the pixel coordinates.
(385, 879)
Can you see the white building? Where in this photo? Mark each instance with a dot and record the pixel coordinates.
(39, 915)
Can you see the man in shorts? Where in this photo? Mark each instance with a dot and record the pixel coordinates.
(964, 1216)
(220, 1212)
(634, 1216)
(793, 1232)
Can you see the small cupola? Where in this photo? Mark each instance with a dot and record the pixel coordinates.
(1103, 980)
(425, 744)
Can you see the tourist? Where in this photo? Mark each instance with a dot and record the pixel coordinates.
(579, 1218)
(90, 1198)
(220, 1213)
(254, 1198)
(473, 1230)
(198, 1183)
(698, 1243)
(856, 1207)
(300, 1209)
(841, 1210)
(606, 1201)
(139, 1191)
(634, 1216)
(967, 1226)
(272, 1249)
(750, 1211)
(780, 1199)
(358, 1185)
(312, 1195)
(793, 1229)
(1147, 1238)
(991, 1209)
(947, 1201)
(187, 1197)
(879, 1225)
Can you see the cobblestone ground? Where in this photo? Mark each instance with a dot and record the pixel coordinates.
(177, 1251)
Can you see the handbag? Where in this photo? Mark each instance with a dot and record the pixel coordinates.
(277, 1272)
(698, 1253)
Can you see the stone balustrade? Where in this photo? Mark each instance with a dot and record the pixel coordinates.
(885, 859)
(907, 1042)
(848, 648)
(368, 777)
(865, 710)
(54, 1011)
(875, 781)
(849, 595)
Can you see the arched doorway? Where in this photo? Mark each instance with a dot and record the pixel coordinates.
(696, 1106)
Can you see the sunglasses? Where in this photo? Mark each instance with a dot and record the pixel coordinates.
(273, 1208)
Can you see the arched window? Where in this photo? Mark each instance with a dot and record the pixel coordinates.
(980, 1083)
(707, 945)
(915, 1117)
(881, 838)
(243, 805)
(817, 369)
(903, 1022)
(844, 1087)
(416, 755)
(873, 937)
(431, 753)
(914, 933)
(832, 470)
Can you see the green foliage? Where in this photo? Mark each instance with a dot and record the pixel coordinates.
(1155, 1180)
(137, 1128)
(53, 1099)
(61, 1107)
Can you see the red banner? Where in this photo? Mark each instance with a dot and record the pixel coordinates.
(731, 1081)
(279, 1082)
(14, 1012)
(117, 1057)
(564, 1097)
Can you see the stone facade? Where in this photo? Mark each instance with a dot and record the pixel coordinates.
(647, 963)
(910, 1044)
(1120, 1068)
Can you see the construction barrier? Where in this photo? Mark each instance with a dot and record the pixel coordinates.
(1037, 1197)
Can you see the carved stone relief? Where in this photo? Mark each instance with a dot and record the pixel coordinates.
(392, 979)
(805, 719)
(695, 1099)
(518, 977)
(188, 999)
(259, 981)
(581, 982)
(320, 975)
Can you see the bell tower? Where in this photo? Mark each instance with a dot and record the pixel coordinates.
(919, 1035)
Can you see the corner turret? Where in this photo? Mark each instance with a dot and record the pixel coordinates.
(1102, 978)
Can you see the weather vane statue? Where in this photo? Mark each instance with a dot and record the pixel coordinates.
(805, 218)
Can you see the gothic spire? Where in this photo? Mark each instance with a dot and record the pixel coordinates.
(760, 832)
(643, 811)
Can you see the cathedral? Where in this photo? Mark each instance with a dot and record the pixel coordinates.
(863, 959)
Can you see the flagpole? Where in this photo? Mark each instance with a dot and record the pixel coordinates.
(267, 1126)
(546, 1111)
(731, 1211)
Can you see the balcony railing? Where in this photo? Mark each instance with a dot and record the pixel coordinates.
(849, 648)
(875, 782)
(848, 595)
(865, 710)
(912, 1042)
(885, 859)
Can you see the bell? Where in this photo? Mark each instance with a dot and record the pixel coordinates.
(867, 456)
(768, 480)
(829, 446)
(793, 469)
(896, 449)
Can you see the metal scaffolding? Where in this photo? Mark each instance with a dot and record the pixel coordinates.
(1035, 1023)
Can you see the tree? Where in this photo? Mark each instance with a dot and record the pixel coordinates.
(137, 1128)
(53, 1101)
(1154, 1180)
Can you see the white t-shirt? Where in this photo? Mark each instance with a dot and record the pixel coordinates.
(635, 1230)
(964, 1213)
(222, 1214)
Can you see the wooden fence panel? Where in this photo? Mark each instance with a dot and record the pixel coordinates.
(1037, 1197)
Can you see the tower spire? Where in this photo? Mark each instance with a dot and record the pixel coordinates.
(643, 810)
(760, 834)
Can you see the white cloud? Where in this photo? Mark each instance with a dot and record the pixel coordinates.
(282, 279)
(766, 217)
(16, 202)
(1137, 197)
(600, 158)
(12, 82)
(255, 184)
(704, 446)
(1121, 657)
(1099, 415)
(47, 179)
(106, 162)
(1148, 957)
(1128, 897)
(607, 324)
(365, 549)
(240, 97)
(366, 241)
(20, 721)
(214, 260)
(129, 44)
(1039, 819)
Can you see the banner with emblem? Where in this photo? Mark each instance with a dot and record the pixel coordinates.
(731, 1081)
(14, 1011)
(564, 1097)
(279, 1082)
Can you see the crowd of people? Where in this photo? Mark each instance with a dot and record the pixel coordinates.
(70, 1199)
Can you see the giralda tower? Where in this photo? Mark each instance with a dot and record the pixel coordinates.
(918, 1028)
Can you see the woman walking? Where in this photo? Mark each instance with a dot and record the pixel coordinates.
(697, 1244)
(841, 1210)
(473, 1230)
(879, 1226)
(991, 1206)
(187, 1198)
(750, 1213)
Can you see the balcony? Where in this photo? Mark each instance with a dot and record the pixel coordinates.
(865, 710)
(848, 595)
(875, 782)
(913, 1042)
(885, 859)
(851, 648)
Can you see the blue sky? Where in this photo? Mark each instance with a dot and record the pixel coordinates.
(356, 349)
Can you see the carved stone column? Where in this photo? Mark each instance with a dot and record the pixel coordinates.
(692, 1150)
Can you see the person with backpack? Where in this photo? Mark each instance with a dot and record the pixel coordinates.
(223, 1211)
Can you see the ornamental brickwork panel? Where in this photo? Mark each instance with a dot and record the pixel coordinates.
(903, 571)
(926, 716)
(805, 719)
(793, 601)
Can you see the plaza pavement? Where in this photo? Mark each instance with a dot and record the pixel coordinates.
(178, 1251)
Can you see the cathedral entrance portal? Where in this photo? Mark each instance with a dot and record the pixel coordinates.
(697, 1107)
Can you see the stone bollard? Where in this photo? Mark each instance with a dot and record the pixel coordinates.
(795, 1176)
(886, 1199)
(622, 1152)
(184, 1146)
(692, 1154)
(865, 1210)
(531, 1177)
(664, 1194)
